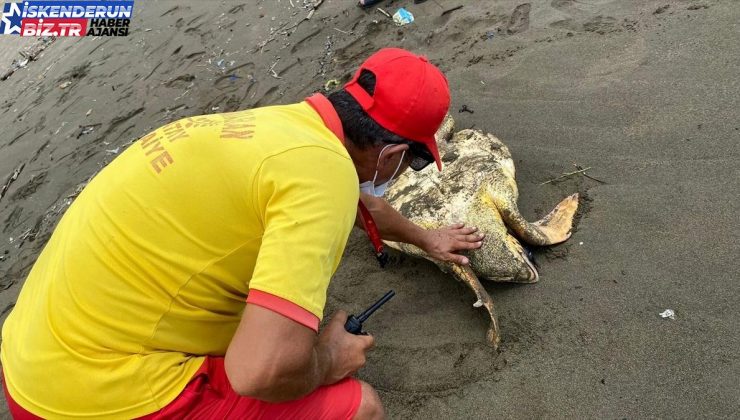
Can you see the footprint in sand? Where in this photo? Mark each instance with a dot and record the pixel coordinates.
(29, 188)
(601, 25)
(519, 21)
(13, 219)
(583, 16)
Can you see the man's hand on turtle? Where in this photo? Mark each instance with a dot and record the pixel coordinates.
(443, 243)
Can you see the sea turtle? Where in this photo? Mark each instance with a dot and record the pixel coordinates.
(477, 186)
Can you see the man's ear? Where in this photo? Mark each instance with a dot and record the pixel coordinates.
(392, 155)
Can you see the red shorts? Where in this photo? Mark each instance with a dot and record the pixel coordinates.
(209, 396)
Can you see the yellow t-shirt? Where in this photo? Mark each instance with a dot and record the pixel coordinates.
(149, 268)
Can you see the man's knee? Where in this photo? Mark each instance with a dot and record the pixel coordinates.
(370, 407)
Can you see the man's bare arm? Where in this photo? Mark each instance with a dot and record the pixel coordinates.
(441, 244)
(273, 358)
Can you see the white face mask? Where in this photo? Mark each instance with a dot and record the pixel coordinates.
(369, 187)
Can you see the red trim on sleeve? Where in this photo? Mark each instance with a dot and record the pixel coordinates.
(284, 307)
(327, 113)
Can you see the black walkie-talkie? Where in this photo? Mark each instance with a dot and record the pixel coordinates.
(354, 323)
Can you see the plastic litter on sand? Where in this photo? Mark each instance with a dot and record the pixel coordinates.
(668, 314)
(403, 17)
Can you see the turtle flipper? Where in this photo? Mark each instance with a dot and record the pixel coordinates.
(557, 224)
(465, 274)
(551, 229)
(408, 249)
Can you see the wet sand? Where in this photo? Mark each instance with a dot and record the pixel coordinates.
(646, 95)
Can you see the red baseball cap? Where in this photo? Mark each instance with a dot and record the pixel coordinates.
(411, 96)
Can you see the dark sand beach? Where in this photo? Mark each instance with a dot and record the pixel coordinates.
(645, 93)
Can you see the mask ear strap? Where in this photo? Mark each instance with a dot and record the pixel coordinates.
(375, 177)
(397, 167)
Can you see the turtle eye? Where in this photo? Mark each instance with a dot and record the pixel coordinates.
(530, 255)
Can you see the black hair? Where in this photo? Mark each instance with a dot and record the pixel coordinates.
(358, 127)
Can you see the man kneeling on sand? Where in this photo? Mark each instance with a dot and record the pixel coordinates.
(190, 276)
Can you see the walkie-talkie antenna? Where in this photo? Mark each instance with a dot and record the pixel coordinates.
(369, 311)
(354, 323)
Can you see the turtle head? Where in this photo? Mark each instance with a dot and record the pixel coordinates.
(527, 270)
(445, 130)
(443, 135)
